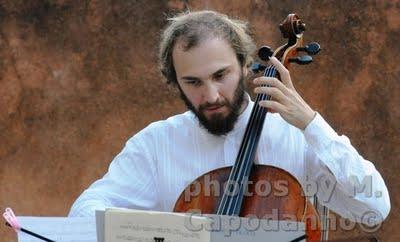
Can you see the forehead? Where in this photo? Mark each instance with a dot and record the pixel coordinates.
(204, 59)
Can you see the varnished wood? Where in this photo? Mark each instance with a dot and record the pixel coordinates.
(292, 205)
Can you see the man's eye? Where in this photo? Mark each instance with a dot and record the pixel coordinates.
(219, 76)
(194, 83)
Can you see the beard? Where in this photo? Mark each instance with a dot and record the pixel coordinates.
(217, 124)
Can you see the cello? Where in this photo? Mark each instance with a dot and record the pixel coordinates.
(240, 179)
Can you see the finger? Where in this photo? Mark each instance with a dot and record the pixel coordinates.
(272, 105)
(271, 81)
(274, 92)
(265, 80)
(283, 72)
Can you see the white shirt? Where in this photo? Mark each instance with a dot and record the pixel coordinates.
(158, 163)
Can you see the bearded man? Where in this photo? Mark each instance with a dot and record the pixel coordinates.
(206, 56)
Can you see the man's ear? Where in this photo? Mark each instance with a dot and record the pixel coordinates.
(245, 70)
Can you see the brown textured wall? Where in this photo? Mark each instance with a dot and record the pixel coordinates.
(77, 78)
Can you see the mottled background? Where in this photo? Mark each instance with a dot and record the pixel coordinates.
(78, 78)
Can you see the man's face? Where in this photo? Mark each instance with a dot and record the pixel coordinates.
(211, 83)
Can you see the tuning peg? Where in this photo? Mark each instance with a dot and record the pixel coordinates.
(265, 52)
(302, 60)
(311, 49)
(257, 67)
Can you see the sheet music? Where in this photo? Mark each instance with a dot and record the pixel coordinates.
(60, 229)
(240, 231)
(143, 226)
(122, 225)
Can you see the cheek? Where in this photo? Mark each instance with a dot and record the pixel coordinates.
(193, 95)
(196, 100)
(229, 90)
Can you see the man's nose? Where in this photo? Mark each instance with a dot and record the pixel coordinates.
(211, 93)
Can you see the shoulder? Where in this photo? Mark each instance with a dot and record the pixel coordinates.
(180, 123)
(174, 123)
(277, 127)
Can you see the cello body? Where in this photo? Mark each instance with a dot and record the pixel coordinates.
(282, 200)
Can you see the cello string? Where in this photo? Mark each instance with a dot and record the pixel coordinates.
(260, 112)
(249, 147)
(246, 162)
(245, 151)
(233, 175)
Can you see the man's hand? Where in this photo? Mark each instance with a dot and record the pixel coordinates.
(285, 99)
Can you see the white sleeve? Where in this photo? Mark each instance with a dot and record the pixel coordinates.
(346, 182)
(129, 182)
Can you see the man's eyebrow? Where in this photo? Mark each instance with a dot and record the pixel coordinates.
(221, 70)
(193, 78)
(190, 78)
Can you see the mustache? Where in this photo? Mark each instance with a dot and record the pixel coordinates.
(213, 105)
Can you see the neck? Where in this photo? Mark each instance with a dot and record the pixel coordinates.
(245, 103)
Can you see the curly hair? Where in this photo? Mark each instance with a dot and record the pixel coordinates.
(192, 27)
